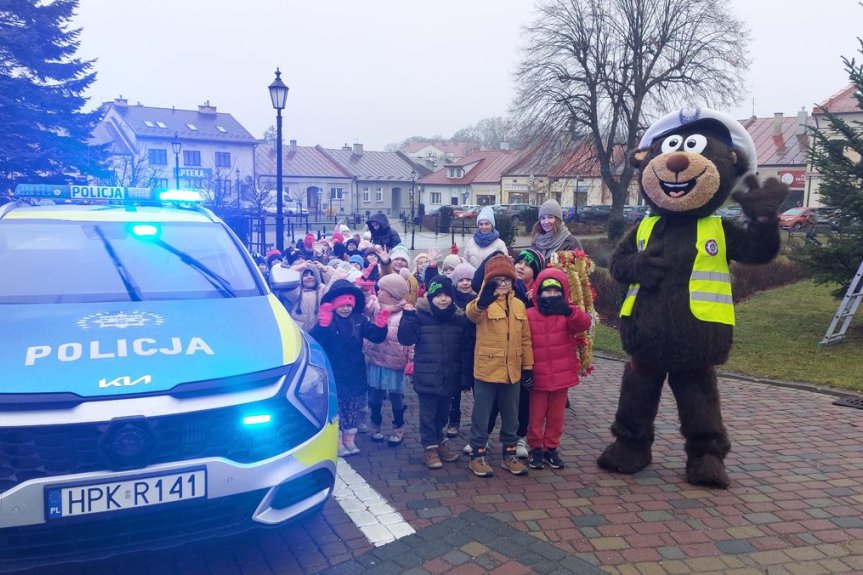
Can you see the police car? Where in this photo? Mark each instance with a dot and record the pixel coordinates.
(152, 388)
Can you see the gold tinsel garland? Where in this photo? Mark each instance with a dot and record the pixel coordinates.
(577, 266)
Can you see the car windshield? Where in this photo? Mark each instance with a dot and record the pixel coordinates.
(794, 212)
(76, 261)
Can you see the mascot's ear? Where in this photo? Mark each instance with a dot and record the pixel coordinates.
(637, 158)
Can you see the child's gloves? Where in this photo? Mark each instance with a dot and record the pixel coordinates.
(527, 378)
(325, 314)
(382, 318)
(559, 306)
(486, 295)
(409, 368)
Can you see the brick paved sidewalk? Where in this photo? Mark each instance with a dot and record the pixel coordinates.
(795, 505)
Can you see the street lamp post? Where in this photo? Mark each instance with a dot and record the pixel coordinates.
(279, 95)
(413, 195)
(176, 145)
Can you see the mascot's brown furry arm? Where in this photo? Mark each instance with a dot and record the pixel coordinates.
(678, 317)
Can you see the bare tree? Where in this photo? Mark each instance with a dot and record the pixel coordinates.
(133, 172)
(488, 133)
(601, 69)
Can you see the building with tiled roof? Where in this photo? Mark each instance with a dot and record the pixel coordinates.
(433, 155)
(782, 148)
(382, 181)
(311, 180)
(215, 155)
(475, 179)
(846, 104)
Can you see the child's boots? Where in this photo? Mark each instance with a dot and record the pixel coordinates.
(511, 463)
(349, 438)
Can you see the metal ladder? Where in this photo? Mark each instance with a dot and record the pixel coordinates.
(846, 310)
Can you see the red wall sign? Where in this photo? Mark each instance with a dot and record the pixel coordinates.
(793, 178)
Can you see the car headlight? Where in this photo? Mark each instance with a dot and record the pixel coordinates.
(312, 390)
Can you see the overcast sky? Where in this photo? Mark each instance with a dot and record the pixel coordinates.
(379, 71)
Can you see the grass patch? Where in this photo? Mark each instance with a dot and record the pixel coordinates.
(777, 335)
(607, 340)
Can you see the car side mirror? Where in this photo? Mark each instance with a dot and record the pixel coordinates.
(283, 278)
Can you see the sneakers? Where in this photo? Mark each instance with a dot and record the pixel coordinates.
(552, 457)
(451, 431)
(349, 446)
(396, 437)
(376, 434)
(521, 448)
(479, 464)
(534, 461)
(446, 453)
(432, 459)
(362, 428)
(511, 463)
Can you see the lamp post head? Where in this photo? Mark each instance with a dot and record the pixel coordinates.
(278, 92)
(413, 175)
(176, 144)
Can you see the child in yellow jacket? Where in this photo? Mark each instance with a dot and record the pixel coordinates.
(503, 362)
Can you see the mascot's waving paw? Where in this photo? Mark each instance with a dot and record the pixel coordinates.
(761, 203)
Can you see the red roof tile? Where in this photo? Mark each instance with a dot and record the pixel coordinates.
(784, 149)
(843, 101)
(490, 166)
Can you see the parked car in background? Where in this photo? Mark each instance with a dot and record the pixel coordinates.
(514, 211)
(731, 213)
(634, 214)
(797, 218)
(466, 211)
(568, 213)
(596, 214)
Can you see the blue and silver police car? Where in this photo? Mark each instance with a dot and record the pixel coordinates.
(152, 388)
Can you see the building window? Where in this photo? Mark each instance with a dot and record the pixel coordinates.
(195, 183)
(379, 194)
(223, 159)
(455, 172)
(157, 157)
(160, 183)
(435, 197)
(336, 193)
(191, 158)
(366, 194)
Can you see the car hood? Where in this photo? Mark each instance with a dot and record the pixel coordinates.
(115, 349)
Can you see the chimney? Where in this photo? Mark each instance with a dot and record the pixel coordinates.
(293, 147)
(504, 145)
(777, 124)
(346, 147)
(802, 123)
(206, 108)
(121, 101)
(358, 149)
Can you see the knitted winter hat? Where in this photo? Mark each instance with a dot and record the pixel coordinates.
(550, 283)
(400, 253)
(293, 256)
(462, 271)
(357, 259)
(439, 284)
(532, 258)
(486, 214)
(395, 285)
(418, 257)
(273, 256)
(499, 266)
(309, 241)
(353, 241)
(337, 237)
(451, 261)
(274, 253)
(551, 208)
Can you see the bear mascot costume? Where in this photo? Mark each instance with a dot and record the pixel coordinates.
(677, 318)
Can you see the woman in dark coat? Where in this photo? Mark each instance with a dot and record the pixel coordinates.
(382, 233)
(438, 330)
(341, 331)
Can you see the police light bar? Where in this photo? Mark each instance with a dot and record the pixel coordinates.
(103, 193)
(180, 196)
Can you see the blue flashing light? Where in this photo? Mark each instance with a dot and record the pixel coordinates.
(257, 419)
(145, 230)
(180, 196)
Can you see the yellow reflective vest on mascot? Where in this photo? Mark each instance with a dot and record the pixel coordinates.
(710, 282)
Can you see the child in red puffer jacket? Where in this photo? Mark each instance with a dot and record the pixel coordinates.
(554, 323)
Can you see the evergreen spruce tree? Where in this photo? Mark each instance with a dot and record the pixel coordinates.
(837, 155)
(43, 129)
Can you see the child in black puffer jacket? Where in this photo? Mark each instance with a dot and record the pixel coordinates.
(438, 330)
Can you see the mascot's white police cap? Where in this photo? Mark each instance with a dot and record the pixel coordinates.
(667, 124)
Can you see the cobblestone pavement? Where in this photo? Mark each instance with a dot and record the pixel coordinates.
(795, 506)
